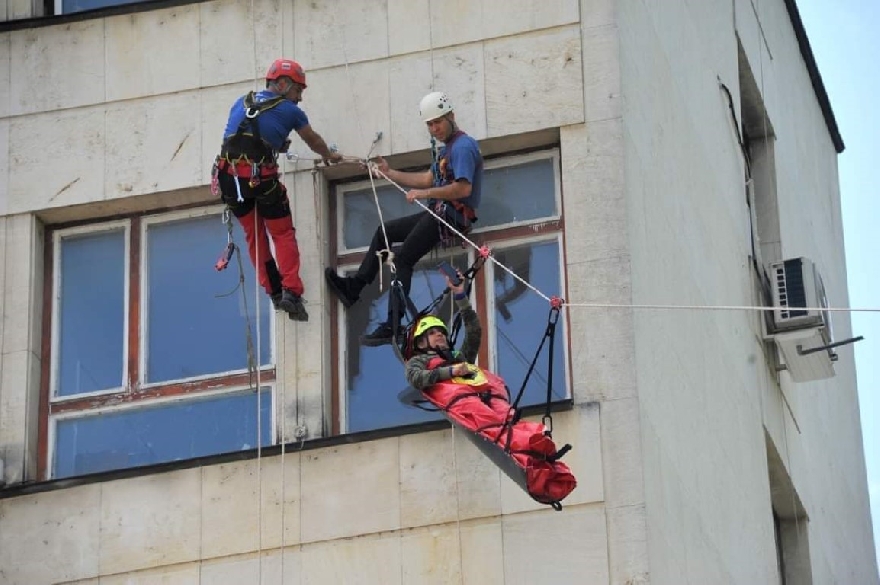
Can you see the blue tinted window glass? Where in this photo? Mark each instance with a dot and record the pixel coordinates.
(375, 375)
(80, 5)
(91, 312)
(360, 218)
(191, 331)
(521, 319)
(171, 431)
(521, 192)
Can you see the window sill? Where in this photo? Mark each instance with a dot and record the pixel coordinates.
(56, 19)
(36, 487)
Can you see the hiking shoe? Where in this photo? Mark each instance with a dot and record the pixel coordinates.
(382, 335)
(292, 304)
(276, 299)
(346, 289)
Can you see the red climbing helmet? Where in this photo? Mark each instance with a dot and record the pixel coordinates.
(286, 68)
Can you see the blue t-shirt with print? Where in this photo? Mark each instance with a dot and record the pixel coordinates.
(461, 159)
(275, 123)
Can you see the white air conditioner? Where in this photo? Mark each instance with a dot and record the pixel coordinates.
(801, 325)
(797, 292)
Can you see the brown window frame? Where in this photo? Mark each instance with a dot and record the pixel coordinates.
(131, 392)
(523, 232)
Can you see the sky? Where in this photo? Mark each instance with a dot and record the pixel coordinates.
(845, 38)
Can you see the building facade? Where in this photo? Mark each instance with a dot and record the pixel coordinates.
(637, 154)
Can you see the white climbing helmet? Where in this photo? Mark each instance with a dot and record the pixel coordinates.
(434, 105)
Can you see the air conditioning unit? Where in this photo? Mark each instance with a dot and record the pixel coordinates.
(801, 325)
(798, 292)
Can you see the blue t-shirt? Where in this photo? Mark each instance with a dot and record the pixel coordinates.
(275, 123)
(461, 159)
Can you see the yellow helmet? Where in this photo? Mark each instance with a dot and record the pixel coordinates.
(428, 322)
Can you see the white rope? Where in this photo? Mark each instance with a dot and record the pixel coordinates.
(621, 305)
(259, 356)
(257, 365)
(389, 258)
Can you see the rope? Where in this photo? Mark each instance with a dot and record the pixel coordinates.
(389, 255)
(550, 299)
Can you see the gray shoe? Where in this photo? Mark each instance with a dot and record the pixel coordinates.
(292, 304)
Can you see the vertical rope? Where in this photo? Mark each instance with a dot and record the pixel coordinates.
(259, 340)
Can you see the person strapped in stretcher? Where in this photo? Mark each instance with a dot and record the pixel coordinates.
(478, 402)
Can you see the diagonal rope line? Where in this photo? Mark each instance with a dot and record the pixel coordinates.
(625, 305)
(465, 238)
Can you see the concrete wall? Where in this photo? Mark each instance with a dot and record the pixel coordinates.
(125, 114)
(705, 390)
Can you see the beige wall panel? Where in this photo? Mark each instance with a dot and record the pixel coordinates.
(455, 22)
(188, 574)
(4, 254)
(4, 166)
(232, 509)
(21, 9)
(601, 350)
(50, 537)
(534, 81)
(431, 555)
(507, 17)
(482, 554)
(71, 145)
(427, 479)
(350, 490)
(621, 452)
(153, 145)
(358, 561)
(68, 75)
(602, 91)
(571, 545)
(593, 190)
(408, 22)
(273, 567)
(348, 107)
(22, 300)
(162, 529)
(152, 52)
(410, 80)
(627, 544)
(230, 37)
(325, 35)
(304, 202)
(596, 13)
(5, 76)
(479, 480)
(460, 72)
(20, 380)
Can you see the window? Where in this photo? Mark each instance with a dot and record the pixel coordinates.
(148, 356)
(520, 220)
(68, 6)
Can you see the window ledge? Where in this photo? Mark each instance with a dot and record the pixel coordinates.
(56, 19)
(36, 487)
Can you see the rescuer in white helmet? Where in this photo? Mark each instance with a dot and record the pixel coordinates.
(451, 188)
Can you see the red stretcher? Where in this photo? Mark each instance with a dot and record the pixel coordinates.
(479, 405)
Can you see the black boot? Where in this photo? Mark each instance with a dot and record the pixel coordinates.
(292, 304)
(346, 289)
(383, 334)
